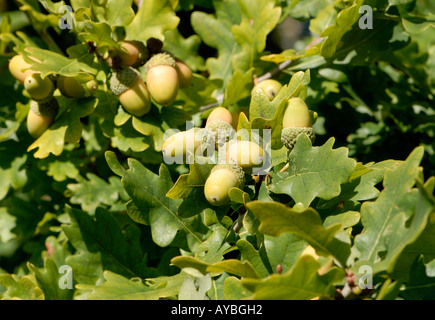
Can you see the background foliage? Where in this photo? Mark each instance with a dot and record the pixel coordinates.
(93, 192)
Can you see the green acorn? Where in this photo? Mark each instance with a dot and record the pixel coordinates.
(298, 119)
(185, 74)
(162, 78)
(181, 143)
(219, 122)
(270, 87)
(222, 178)
(133, 54)
(71, 87)
(41, 116)
(137, 53)
(244, 153)
(39, 89)
(132, 92)
(20, 68)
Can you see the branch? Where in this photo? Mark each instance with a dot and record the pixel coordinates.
(267, 75)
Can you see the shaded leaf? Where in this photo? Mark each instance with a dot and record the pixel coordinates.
(117, 250)
(195, 289)
(302, 282)
(153, 18)
(148, 193)
(67, 128)
(234, 290)
(48, 62)
(185, 49)
(17, 287)
(313, 172)
(283, 250)
(233, 266)
(276, 218)
(117, 287)
(386, 228)
(421, 282)
(215, 31)
(190, 187)
(238, 88)
(249, 253)
(94, 192)
(48, 280)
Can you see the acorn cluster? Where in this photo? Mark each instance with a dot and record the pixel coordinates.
(236, 162)
(165, 74)
(44, 106)
(240, 156)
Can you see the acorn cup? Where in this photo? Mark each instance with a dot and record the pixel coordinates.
(19, 68)
(132, 92)
(162, 78)
(222, 178)
(41, 116)
(298, 119)
(72, 88)
(219, 123)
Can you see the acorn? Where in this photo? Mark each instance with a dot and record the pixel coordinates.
(72, 88)
(133, 54)
(39, 89)
(185, 74)
(19, 68)
(297, 120)
(222, 178)
(270, 87)
(132, 92)
(182, 143)
(246, 154)
(41, 116)
(219, 122)
(162, 78)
